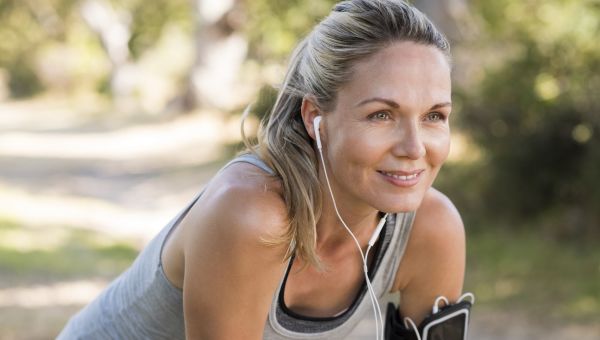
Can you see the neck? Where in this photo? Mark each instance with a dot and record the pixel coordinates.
(331, 231)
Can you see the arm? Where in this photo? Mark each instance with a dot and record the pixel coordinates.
(230, 274)
(434, 262)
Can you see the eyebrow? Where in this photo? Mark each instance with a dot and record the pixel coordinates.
(396, 105)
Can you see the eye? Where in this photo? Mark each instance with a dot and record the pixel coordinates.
(435, 117)
(380, 115)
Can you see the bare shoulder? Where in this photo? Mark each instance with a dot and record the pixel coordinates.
(434, 261)
(437, 229)
(239, 212)
(437, 219)
(230, 271)
(241, 202)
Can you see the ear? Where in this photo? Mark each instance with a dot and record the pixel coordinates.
(309, 110)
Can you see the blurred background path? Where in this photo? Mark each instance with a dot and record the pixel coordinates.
(79, 196)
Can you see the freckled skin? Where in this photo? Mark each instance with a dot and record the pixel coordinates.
(356, 145)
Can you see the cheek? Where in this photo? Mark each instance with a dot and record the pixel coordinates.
(360, 147)
(438, 149)
(354, 154)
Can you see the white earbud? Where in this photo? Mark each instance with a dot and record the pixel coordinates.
(316, 124)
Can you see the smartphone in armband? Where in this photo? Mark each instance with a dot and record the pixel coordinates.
(444, 323)
(450, 323)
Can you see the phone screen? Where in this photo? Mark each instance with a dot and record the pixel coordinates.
(452, 328)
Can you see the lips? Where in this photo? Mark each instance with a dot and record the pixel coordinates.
(402, 178)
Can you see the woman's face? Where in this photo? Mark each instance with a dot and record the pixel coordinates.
(388, 134)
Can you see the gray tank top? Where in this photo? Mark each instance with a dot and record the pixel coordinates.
(142, 304)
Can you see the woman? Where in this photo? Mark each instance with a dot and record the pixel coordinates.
(265, 250)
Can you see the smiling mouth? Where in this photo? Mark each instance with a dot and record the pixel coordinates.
(401, 177)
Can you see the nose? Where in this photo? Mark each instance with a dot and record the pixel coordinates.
(409, 142)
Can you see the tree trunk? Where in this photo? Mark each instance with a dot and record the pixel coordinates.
(113, 29)
(220, 52)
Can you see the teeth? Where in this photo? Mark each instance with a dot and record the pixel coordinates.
(404, 178)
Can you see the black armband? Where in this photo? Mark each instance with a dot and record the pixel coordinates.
(445, 323)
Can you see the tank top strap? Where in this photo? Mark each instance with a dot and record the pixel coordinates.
(252, 159)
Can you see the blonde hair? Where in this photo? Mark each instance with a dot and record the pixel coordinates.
(321, 63)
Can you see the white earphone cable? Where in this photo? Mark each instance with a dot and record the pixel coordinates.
(372, 295)
(372, 292)
(407, 321)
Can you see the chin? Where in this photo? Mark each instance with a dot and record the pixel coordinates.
(401, 204)
(396, 199)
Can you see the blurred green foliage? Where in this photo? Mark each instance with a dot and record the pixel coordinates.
(276, 26)
(26, 26)
(30, 27)
(266, 97)
(521, 270)
(149, 18)
(535, 116)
